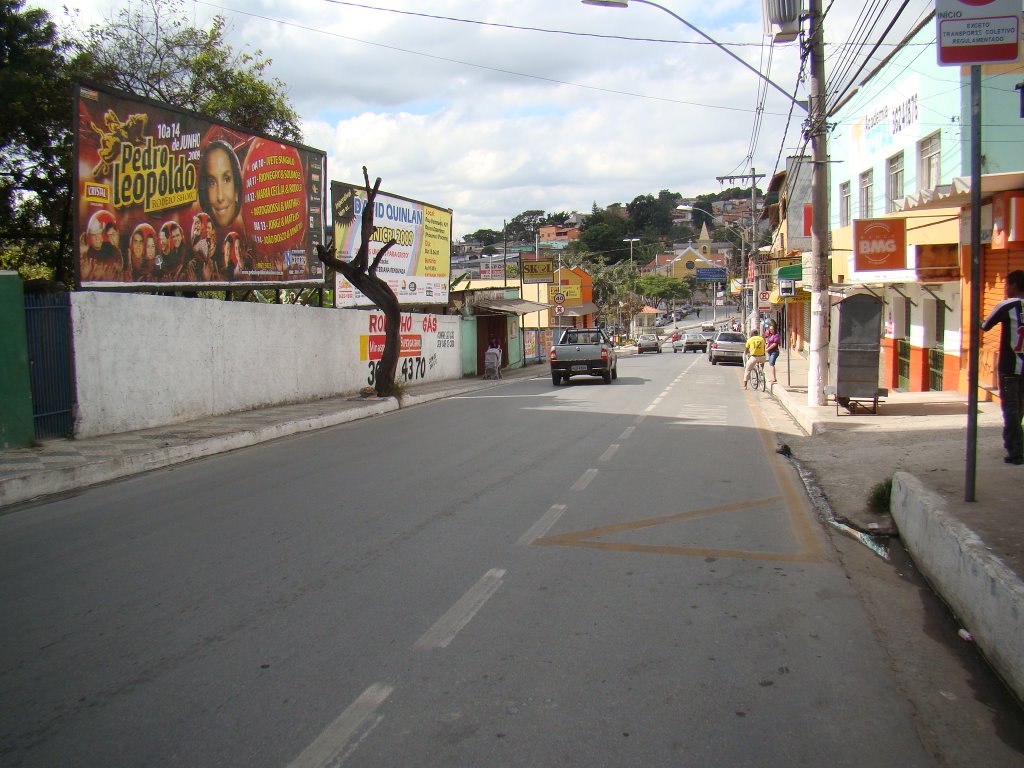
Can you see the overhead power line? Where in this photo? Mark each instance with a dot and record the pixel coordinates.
(480, 66)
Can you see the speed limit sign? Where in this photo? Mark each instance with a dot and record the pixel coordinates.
(559, 298)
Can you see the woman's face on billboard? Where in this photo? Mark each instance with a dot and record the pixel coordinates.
(138, 243)
(222, 187)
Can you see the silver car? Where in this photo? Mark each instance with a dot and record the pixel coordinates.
(727, 346)
(686, 342)
(648, 342)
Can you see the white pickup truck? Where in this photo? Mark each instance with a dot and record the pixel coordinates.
(583, 352)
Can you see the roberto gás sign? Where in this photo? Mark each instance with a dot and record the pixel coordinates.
(416, 266)
(167, 196)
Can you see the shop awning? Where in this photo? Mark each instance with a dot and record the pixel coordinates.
(511, 306)
(579, 310)
(792, 272)
(795, 272)
(958, 193)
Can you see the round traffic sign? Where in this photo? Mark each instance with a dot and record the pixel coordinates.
(763, 295)
(559, 309)
(559, 298)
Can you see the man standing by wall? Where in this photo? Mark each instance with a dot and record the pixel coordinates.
(1010, 314)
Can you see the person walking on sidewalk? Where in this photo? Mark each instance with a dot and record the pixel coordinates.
(771, 347)
(755, 349)
(1010, 314)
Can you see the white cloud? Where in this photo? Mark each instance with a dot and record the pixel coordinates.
(492, 121)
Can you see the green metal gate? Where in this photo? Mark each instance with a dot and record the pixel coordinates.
(936, 362)
(48, 326)
(903, 364)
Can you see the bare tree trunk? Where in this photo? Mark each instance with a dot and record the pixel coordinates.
(362, 273)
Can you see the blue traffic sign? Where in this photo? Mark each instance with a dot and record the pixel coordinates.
(711, 274)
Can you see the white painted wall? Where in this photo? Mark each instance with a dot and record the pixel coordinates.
(144, 361)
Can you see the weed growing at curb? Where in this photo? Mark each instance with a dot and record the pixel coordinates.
(396, 391)
(879, 497)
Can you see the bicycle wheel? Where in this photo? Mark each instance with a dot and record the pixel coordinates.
(759, 381)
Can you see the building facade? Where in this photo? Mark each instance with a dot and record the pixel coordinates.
(899, 151)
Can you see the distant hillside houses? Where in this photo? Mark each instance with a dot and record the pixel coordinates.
(490, 261)
(685, 258)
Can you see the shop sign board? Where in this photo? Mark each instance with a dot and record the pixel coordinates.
(974, 32)
(879, 244)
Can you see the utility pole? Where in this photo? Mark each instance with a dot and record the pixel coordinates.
(753, 176)
(817, 369)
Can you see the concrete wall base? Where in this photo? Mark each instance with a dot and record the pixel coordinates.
(986, 596)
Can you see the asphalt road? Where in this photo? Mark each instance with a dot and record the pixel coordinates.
(587, 575)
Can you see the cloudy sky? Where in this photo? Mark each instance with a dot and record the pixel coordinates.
(494, 107)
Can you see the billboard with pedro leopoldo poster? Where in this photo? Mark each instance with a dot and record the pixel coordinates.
(416, 267)
(165, 196)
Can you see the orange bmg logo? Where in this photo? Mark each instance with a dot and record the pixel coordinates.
(879, 244)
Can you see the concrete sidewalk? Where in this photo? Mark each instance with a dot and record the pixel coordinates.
(60, 466)
(972, 553)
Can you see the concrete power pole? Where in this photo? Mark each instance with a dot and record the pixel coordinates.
(753, 176)
(817, 369)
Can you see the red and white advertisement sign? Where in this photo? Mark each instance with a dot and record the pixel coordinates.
(879, 244)
(169, 196)
(977, 31)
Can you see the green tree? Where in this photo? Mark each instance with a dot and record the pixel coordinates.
(557, 219)
(604, 240)
(150, 48)
(524, 226)
(611, 283)
(602, 234)
(663, 287)
(631, 304)
(35, 144)
(485, 236)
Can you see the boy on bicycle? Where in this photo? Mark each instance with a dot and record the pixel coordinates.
(755, 347)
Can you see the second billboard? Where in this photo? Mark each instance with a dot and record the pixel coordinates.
(416, 267)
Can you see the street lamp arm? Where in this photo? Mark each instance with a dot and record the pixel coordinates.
(772, 83)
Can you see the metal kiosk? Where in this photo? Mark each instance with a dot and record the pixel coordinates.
(858, 319)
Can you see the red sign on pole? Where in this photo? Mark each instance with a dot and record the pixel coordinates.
(978, 31)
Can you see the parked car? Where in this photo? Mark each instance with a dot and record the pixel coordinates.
(648, 342)
(727, 346)
(689, 342)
